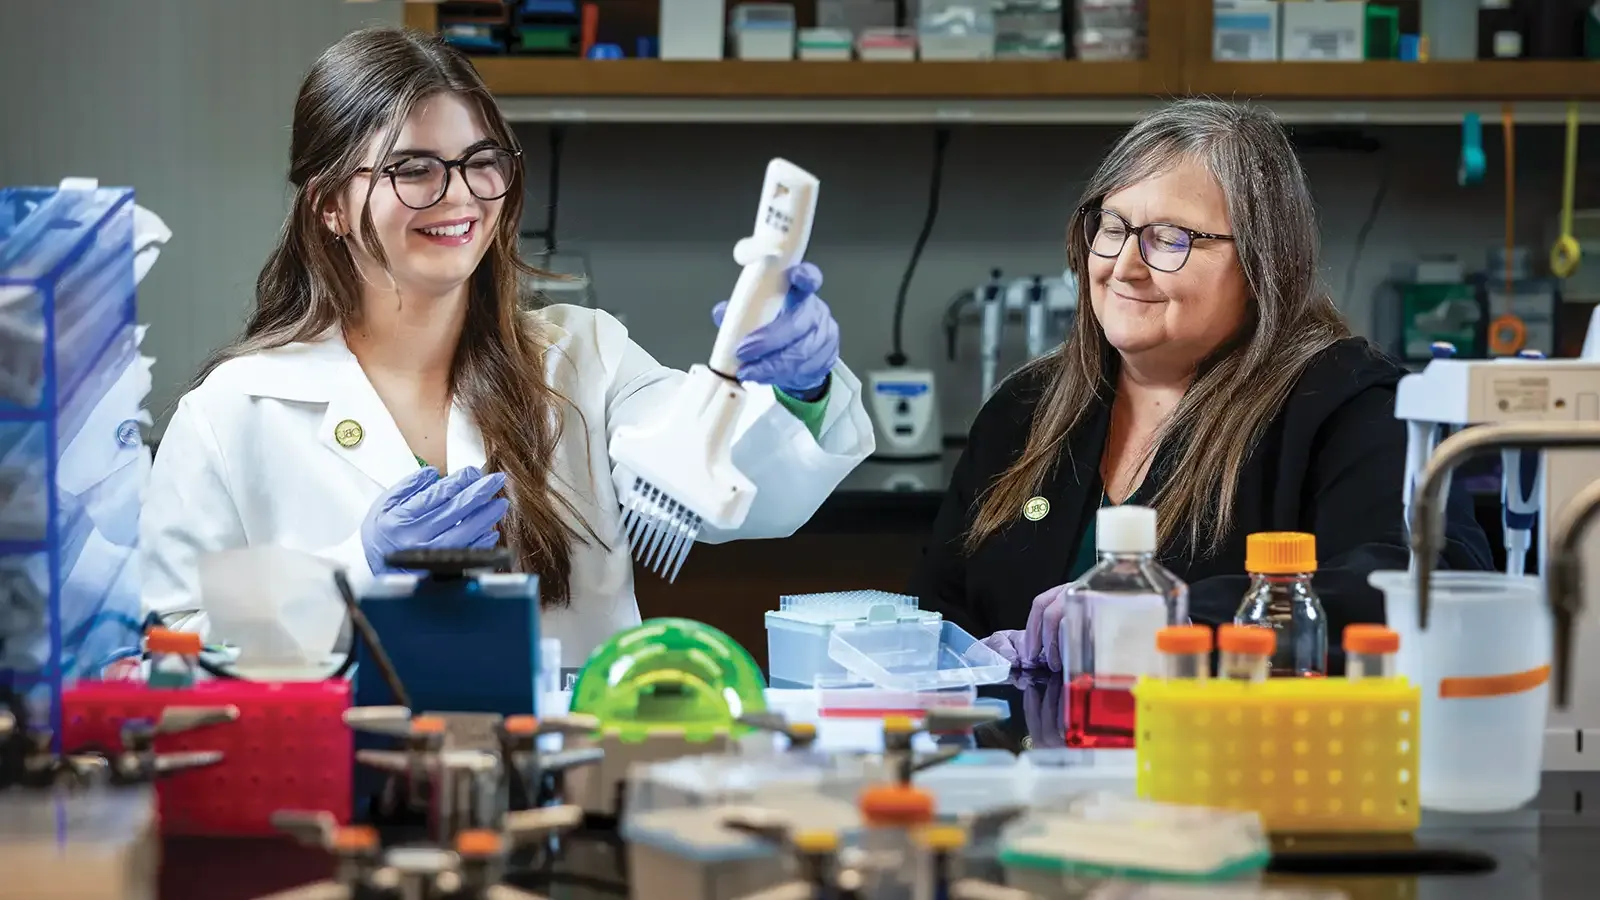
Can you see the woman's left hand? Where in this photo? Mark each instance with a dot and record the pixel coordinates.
(796, 350)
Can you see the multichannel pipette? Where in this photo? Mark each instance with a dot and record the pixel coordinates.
(681, 461)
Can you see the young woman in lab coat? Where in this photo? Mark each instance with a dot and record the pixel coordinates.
(1208, 375)
(389, 392)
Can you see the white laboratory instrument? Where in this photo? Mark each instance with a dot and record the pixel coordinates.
(1045, 306)
(991, 299)
(1049, 305)
(1038, 319)
(1591, 341)
(904, 407)
(682, 460)
(1459, 392)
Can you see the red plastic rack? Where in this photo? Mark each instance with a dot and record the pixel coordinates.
(289, 749)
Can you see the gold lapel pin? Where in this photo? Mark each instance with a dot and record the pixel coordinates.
(1035, 509)
(348, 433)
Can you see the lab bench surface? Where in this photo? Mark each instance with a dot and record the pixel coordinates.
(1546, 852)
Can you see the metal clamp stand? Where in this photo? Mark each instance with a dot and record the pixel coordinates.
(469, 867)
(468, 789)
(826, 869)
(28, 760)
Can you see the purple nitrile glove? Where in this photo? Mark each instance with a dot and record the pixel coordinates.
(796, 350)
(458, 512)
(1041, 644)
(1008, 644)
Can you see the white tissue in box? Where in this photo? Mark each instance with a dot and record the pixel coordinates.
(278, 606)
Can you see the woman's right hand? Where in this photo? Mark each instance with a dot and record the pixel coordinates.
(425, 512)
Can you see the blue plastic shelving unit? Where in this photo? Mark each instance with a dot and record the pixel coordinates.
(70, 441)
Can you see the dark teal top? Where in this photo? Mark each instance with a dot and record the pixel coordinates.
(1088, 553)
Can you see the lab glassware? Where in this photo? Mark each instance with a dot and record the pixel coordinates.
(1483, 664)
(1369, 651)
(1109, 626)
(1245, 652)
(1281, 564)
(173, 657)
(1187, 651)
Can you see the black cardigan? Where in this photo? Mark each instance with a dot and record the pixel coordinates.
(1330, 463)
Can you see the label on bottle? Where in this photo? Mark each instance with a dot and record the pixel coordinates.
(1123, 629)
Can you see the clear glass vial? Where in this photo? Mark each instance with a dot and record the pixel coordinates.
(1187, 649)
(1245, 652)
(174, 656)
(1369, 651)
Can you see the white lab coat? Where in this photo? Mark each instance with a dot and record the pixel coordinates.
(249, 458)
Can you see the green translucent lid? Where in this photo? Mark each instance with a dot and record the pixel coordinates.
(670, 675)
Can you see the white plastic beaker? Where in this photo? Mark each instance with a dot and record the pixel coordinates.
(1484, 669)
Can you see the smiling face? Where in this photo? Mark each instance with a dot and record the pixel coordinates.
(433, 250)
(1171, 320)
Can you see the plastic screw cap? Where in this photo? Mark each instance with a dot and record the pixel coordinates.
(165, 640)
(816, 841)
(1125, 529)
(802, 731)
(1250, 640)
(354, 839)
(899, 725)
(1184, 639)
(1371, 639)
(894, 804)
(478, 843)
(427, 725)
(942, 838)
(521, 726)
(1280, 553)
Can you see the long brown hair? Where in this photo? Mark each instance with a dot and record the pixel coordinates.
(363, 86)
(1238, 391)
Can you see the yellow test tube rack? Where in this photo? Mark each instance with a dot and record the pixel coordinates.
(1309, 755)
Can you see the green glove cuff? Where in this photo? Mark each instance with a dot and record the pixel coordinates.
(810, 413)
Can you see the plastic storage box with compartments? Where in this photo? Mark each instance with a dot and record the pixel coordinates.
(72, 458)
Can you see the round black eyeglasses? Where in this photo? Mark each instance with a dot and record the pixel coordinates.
(1163, 246)
(422, 181)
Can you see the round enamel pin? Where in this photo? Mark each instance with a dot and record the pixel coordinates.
(348, 433)
(1035, 509)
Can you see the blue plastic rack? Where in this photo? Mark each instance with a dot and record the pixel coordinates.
(70, 485)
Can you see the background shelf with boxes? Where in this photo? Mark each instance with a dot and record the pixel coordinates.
(669, 48)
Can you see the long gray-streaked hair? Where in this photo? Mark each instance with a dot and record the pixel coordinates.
(1240, 388)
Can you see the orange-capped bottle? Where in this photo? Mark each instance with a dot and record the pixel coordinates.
(1187, 649)
(174, 655)
(1369, 651)
(1281, 564)
(1246, 652)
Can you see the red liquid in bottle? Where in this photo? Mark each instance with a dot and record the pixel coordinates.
(1100, 712)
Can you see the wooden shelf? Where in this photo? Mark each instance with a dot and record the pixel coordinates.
(735, 79)
(1489, 80)
(1179, 63)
